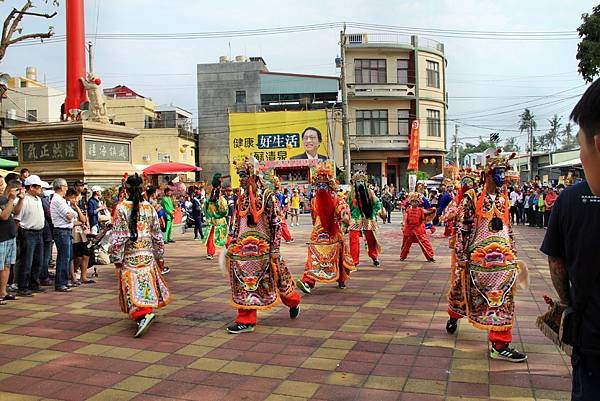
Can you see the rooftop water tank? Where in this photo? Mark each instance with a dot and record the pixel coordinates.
(31, 73)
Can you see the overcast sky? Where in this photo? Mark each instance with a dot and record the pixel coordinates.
(489, 81)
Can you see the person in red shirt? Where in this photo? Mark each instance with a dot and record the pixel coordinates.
(549, 199)
(414, 228)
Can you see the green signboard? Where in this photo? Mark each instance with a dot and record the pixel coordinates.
(50, 151)
(106, 151)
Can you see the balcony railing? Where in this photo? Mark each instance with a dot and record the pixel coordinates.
(381, 90)
(394, 39)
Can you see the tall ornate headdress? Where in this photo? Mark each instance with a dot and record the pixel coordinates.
(247, 164)
(360, 176)
(495, 159)
(415, 196)
(325, 174)
(469, 173)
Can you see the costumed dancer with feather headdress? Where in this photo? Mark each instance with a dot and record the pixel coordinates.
(258, 275)
(328, 259)
(137, 250)
(364, 206)
(487, 262)
(414, 228)
(215, 214)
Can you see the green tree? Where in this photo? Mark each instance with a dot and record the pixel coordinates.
(12, 32)
(527, 124)
(482, 146)
(568, 140)
(510, 145)
(553, 135)
(588, 50)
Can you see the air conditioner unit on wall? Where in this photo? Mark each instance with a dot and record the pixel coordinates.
(164, 157)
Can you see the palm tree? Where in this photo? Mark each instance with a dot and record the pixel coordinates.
(568, 140)
(553, 134)
(528, 124)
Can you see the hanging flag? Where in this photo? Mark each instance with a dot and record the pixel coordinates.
(413, 161)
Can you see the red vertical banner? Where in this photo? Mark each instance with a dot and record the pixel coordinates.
(75, 54)
(413, 148)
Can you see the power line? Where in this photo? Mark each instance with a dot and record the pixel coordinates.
(448, 33)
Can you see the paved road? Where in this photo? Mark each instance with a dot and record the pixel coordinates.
(382, 338)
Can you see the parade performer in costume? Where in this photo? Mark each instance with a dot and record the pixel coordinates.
(258, 275)
(414, 228)
(137, 252)
(429, 211)
(364, 206)
(487, 262)
(167, 204)
(285, 230)
(215, 215)
(460, 211)
(328, 257)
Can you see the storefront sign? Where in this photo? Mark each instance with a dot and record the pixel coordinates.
(290, 163)
(106, 151)
(50, 151)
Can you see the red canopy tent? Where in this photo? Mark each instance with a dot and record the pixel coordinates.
(170, 168)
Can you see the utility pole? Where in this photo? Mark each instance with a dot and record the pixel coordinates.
(90, 59)
(456, 155)
(530, 159)
(345, 127)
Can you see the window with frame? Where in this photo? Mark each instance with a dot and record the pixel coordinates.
(370, 71)
(433, 74)
(371, 122)
(32, 115)
(402, 71)
(403, 122)
(433, 123)
(240, 97)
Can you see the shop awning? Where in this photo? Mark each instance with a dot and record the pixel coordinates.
(170, 168)
(567, 163)
(8, 164)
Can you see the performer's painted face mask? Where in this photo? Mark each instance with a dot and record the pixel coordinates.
(498, 176)
(322, 186)
(244, 178)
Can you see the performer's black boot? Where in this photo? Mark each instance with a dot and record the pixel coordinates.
(451, 325)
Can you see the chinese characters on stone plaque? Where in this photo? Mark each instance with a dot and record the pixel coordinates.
(109, 151)
(50, 151)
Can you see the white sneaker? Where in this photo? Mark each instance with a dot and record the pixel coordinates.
(144, 324)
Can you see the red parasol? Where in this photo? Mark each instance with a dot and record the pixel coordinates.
(170, 168)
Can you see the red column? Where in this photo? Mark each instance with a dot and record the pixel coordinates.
(75, 55)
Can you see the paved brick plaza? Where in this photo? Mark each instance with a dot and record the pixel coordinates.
(383, 338)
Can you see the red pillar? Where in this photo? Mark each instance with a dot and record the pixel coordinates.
(75, 55)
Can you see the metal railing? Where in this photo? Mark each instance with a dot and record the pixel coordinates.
(393, 38)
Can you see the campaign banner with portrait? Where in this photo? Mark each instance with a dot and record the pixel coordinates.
(278, 138)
